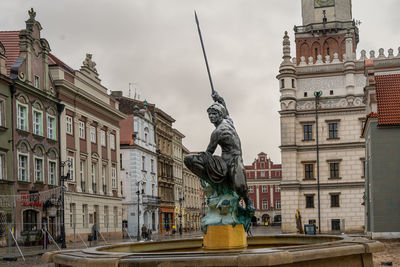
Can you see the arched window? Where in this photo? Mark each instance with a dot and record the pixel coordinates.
(30, 220)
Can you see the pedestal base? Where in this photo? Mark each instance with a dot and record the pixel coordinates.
(225, 237)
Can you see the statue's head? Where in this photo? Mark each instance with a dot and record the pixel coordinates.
(216, 113)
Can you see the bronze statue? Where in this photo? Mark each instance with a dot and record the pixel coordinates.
(222, 177)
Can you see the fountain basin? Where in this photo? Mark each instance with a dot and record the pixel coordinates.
(279, 250)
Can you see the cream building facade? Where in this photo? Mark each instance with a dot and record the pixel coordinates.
(178, 176)
(326, 61)
(89, 128)
(194, 200)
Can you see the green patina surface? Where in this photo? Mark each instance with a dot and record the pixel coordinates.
(223, 206)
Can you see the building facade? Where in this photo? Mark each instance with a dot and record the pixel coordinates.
(89, 150)
(263, 179)
(6, 155)
(382, 137)
(139, 167)
(164, 135)
(35, 139)
(177, 172)
(193, 206)
(325, 61)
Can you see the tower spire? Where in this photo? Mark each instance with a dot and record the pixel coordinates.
(286, 49)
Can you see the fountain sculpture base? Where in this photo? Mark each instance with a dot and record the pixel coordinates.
(225, 237)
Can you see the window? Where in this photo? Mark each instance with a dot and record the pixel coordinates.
(2, 166)
(81, 130)
(71, 168)
(92, 134)
(282, 83)
(112, 141)
(94, 167)
(310, 201)
(265, 204)
(331, 92)
(334, 170)
(114, 177)
(307, 129)
(262, 174)
(264, 189)
(146, 135)
(69, 125)
(143, 163)
(305, 94)
(84, 216)
(72, 215)
(30, 219)
(36, 81)
(277, 188)
(362, 124)
(38, 170)
(278, 204)
(37, 122)
(51, 127)
(335, 224)
(335, 201)
(153, 187)
(333, 130)
(52, 172)
(152, 165)
(106, 216)
(22, 116)
(82, 174)
(309, 171)
(2, 113)
(251, 189)
(103, 177)
(363, 166)
(115, 216)
(23, 167)
(103, 138)
(292, 83)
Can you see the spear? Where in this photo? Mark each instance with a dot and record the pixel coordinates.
(204, 53)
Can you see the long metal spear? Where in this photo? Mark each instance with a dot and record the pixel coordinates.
(204, 52)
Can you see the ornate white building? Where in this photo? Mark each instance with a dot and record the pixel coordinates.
(326, 61)
(139, 163)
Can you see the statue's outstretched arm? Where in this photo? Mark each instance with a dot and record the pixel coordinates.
(217, 98)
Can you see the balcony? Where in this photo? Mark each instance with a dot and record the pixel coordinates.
(313, 27)
(150, 200)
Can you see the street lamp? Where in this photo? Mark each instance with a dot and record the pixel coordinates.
(63, 178)
(180, 214)
(317, 95)
(138, 210)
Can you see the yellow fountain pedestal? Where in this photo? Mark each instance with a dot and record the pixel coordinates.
(225, 237)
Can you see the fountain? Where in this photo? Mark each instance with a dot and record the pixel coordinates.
(224, 241)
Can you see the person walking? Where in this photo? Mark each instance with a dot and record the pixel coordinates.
(144, 231)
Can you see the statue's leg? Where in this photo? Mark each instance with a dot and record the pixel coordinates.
(196, 164)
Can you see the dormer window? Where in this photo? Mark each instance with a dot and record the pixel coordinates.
(36, 81)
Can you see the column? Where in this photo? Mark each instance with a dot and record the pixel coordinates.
(117, 140)
(77, 153)
(100, 164)
(108, 180)
(89, 157)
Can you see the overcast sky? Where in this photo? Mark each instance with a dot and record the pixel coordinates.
(154, 44)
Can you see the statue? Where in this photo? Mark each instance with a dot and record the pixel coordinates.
(223, 178)
(89, 63)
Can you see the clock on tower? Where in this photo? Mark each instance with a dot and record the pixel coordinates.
(324, 3)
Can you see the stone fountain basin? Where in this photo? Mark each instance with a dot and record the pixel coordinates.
(279, 250)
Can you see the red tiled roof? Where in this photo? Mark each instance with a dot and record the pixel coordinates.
(388, 96)
(53, 60)
(126, 131)
(10, 41)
